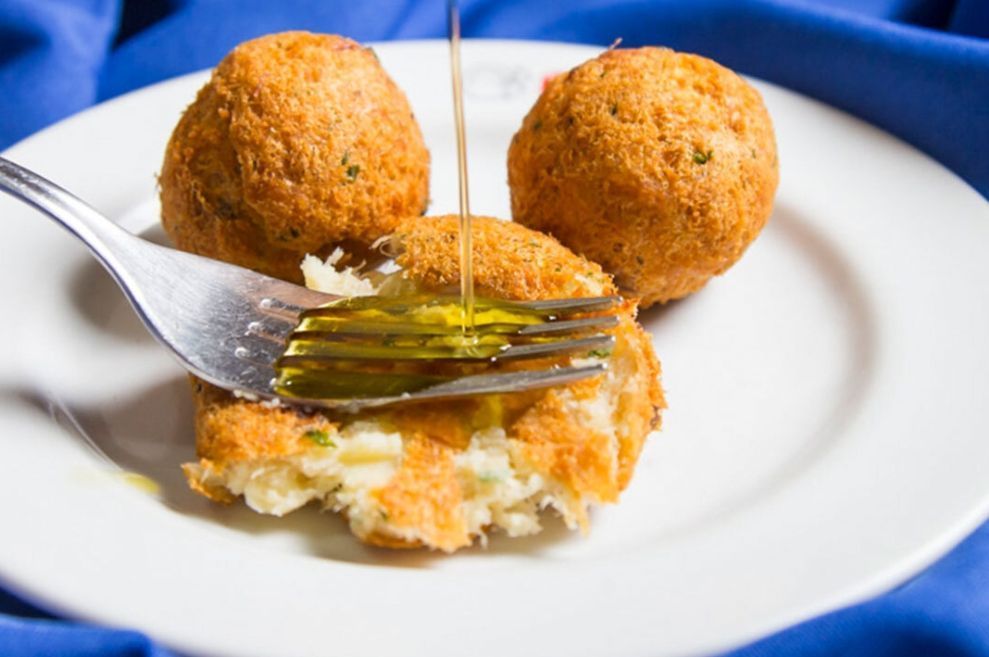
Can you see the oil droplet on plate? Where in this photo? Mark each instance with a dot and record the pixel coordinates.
(140, 482)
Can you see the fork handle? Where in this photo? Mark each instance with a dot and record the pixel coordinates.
(102, 236)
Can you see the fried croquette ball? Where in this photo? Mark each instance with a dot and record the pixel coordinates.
(661, 166)
(443, 474)
(298, 142)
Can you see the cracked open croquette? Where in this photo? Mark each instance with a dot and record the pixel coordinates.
(443, 474)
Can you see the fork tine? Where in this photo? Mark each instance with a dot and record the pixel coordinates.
(557, 347)
(478, 384)
(396, 306)
(513, 381)
(316, 351)
(570, 325)
(566, 306)
(312, 327)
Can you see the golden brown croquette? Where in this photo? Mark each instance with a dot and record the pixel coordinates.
(442, 474)
(661, 166)
(298, 142)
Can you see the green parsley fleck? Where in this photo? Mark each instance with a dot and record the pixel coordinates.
(701, 157)
(383, 514)
(320, 437)
(614, 109)
(599, 353)
(352, 171)
(489, 477)
(345, 159)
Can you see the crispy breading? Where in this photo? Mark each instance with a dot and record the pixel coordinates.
(297, 143)
(641, 400)
(585, 455)
(237, 429)
(424, 497)
(231, 430)
(659, 165)
(555, 437)
(510, 261)
(446, 422)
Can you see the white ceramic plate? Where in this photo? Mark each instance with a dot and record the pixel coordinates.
(826, 435)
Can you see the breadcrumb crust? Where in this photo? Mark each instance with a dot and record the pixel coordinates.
(297, 143)
(661, 166)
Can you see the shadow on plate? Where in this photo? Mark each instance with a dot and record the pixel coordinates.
(858, 323)
(150, 433)
(664, 311)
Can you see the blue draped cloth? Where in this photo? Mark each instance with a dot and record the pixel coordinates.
(917, 68)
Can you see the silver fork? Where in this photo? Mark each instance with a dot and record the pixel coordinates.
(229, 325)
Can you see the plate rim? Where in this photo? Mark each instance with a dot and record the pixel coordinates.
(932, 549)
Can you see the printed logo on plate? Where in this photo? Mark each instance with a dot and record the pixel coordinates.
(496, 82)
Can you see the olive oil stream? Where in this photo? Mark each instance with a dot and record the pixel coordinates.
(466, 258)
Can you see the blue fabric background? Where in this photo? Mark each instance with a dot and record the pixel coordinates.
(918, 68)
